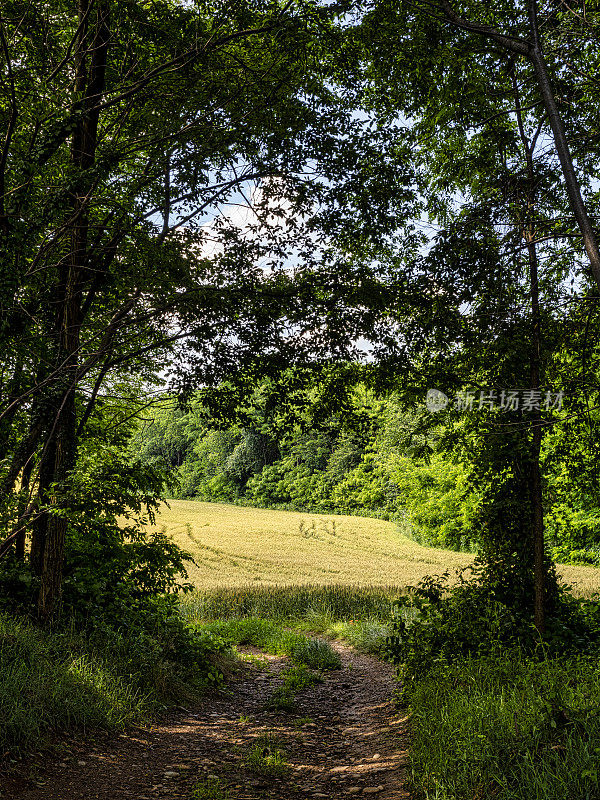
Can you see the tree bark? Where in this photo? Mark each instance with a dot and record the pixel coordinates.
(535, 475)
(89, 82)
(539, 554)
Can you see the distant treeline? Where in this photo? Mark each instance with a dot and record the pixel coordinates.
(379, 458)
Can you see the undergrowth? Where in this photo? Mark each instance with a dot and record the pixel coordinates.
(508, 727)
(68, 679)
(498, 710)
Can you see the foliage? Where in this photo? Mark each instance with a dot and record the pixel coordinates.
(121, 261)
(506, 726)
(113, 561)
(65, 679)
(482, 615)
(455, 483)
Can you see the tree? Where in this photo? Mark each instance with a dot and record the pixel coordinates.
(547, 44)
(128, 125)
(488, 300)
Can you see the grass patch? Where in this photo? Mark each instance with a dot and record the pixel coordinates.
(360, 616)
(271, 637)
(300, 722)
(58, 681)
(507, 727)
(299, 677)
(368, 636)
(319, 604)
(314, 653)
(295, 680)
(212, 788)
(266, 757)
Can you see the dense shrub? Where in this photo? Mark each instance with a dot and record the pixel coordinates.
(483, 614)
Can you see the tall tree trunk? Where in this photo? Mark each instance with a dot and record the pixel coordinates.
(539, 555)
(91, 56)
(535, 475)
(23, 506)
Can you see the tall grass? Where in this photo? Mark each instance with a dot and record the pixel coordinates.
(49, 682)
(508, 728)
(54, 681)
(336, 603)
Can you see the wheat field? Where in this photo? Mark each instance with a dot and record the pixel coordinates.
(240, 546)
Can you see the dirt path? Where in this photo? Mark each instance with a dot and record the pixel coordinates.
(352, 745)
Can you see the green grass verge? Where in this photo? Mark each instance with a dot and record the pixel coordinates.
(336, 603)
(507, 728)
(360, 616)
(60, 681)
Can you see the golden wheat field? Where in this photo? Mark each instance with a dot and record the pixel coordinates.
(235, 546)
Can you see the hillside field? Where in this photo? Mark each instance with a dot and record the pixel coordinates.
(239, 546)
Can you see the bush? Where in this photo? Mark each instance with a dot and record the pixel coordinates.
(481, 616)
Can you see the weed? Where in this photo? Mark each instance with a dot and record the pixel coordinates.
(211, 788)
(315, 653)
(295, 679)
(301, 721)
(60, 680)
(299, 677)
(281, 700)
(266, 757)
(368, 636)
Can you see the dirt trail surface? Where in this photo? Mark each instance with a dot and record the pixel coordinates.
(345, 739)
